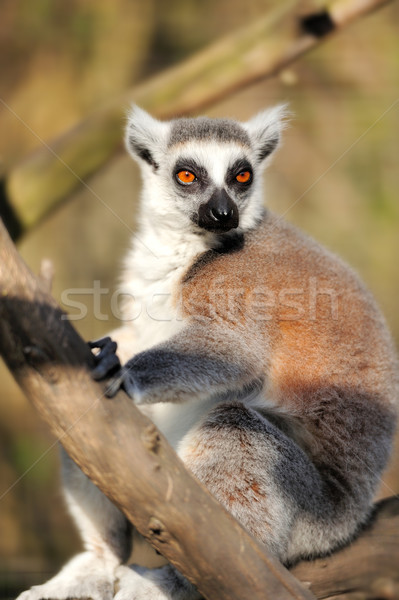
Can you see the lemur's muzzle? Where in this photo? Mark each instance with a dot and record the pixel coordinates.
(219, 214)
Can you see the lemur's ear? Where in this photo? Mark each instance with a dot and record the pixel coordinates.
(145, 136)
(265, 130)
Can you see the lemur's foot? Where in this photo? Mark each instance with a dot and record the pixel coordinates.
(107, 362)
(84, 577)
(139, 583)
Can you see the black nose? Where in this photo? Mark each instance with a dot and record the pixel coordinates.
(219, 214)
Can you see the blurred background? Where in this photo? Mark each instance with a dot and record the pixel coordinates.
(336, 176)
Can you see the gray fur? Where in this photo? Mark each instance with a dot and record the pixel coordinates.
(186, 373)
(204, 129)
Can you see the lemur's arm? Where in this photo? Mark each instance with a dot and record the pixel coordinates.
(196, 363)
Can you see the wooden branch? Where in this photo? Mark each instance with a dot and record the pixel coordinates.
(368, 569)
(151, 485)
(253, 53)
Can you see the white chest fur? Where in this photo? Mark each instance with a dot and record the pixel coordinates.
(156, 316)
(153, 269)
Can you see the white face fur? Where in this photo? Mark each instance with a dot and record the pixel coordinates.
(203, 175)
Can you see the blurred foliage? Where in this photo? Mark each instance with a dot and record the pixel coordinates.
(336, 176)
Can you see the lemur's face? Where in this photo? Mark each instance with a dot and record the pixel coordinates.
(213, 179)
(205, 173)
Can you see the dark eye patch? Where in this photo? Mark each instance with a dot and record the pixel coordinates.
(241, 165)
(187, 164)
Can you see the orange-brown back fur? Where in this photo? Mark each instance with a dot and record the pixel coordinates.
(310, 316)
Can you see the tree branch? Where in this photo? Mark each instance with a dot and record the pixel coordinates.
(151, 485)
(253, 53)
(365, 570)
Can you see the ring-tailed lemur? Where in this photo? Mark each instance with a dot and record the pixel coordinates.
(259, 354)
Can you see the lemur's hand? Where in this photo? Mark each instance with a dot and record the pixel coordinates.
(106, 361)
(109, 367)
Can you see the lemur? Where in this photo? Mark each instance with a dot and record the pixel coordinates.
(258, 353)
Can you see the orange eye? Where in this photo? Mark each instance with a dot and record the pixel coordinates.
(186, 177)
(243, 177)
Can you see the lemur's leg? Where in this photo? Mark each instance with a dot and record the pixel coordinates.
(247, 463)
(272, 487)
(105, 532)
(106, 535)
(165, 583)
(300, 495)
